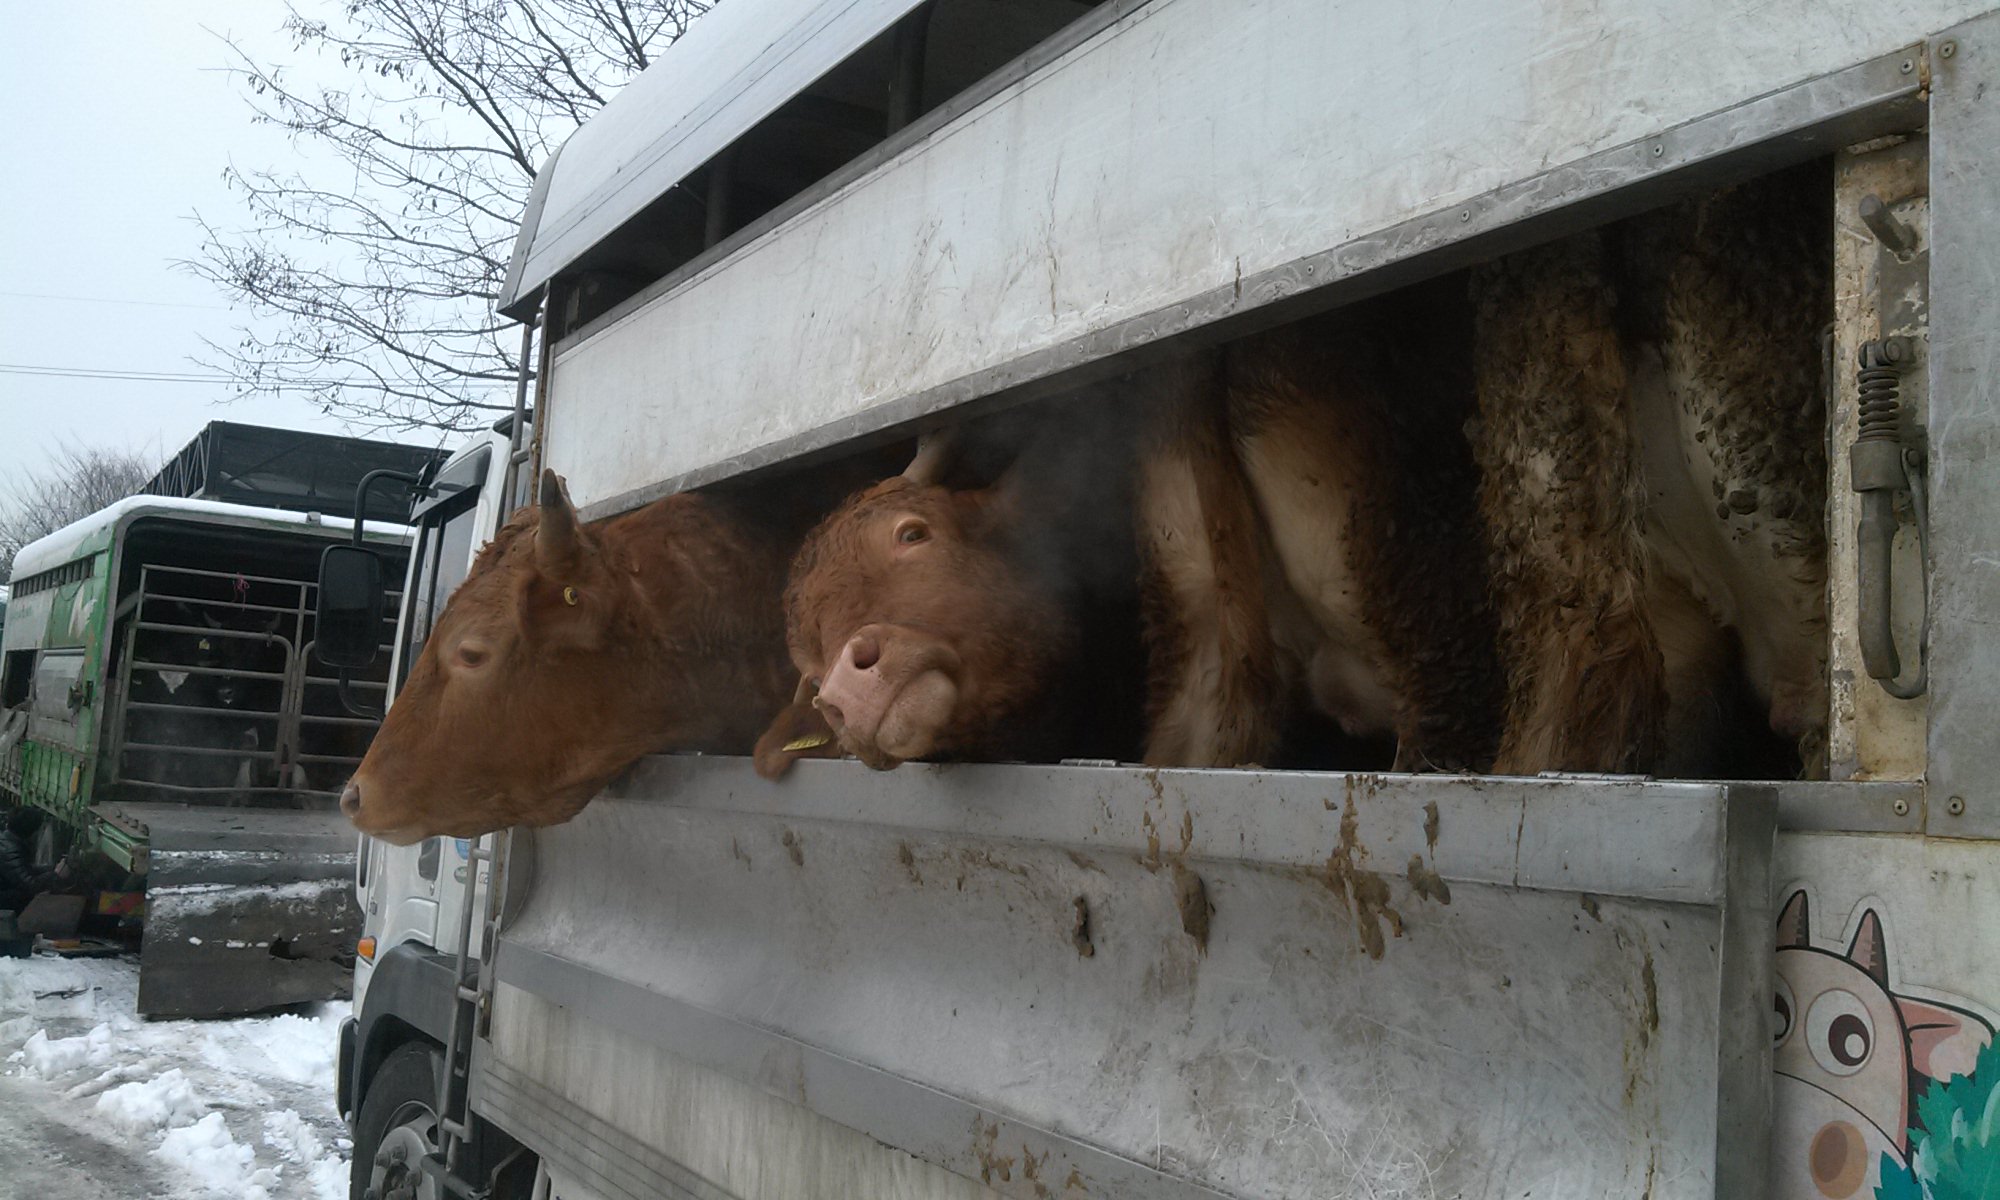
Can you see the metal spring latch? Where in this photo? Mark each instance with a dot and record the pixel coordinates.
(1881, 466)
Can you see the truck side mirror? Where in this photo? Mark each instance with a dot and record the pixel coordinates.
(349, 626)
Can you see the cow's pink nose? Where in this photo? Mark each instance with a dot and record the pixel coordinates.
(350, 800)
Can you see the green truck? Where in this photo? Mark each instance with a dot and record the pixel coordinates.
(160, 700)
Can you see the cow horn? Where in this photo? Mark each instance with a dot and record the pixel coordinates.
(556, 536)
(1869, 951)
(1795, 923)
(937, 452)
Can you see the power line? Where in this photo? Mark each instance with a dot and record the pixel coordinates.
(114, 300)
(51, 372)
(86, 373)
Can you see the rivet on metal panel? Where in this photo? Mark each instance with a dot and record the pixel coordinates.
(1658, 150)
(1902, 807)
(1465, 214)
(1908, 65)
(1955, 806)
(1947, 48)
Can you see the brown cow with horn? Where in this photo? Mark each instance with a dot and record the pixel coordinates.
(572, 650)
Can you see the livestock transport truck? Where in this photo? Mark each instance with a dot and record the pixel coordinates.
(816, 225)
(162, 703)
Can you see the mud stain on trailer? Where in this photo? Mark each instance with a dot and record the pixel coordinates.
(1191, 900)
(908, 858)
(1079, 934)
(1364, 893)
(992, 862)
(993, 1165)
(794, 846)
(1084, 861)
(1426, 882)
(1031, 1171)
(1423, 876)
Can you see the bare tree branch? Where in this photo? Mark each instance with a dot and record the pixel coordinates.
(76, 482)
(369, 272)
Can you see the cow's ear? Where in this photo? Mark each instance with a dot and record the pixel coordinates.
(799, 731)
(1869, 951)
(1944, 1042)
(556, 537)
(1795, 923)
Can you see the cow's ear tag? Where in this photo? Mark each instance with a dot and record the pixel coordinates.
(810, 742)
(569, 596)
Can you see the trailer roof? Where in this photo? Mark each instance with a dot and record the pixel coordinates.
(733, 68)
(265, 467)
(64, 544)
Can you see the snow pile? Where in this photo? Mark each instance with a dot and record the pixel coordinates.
(166, 1101)
(241, 1109)
(285, 1047)
(50, 1057)
(207, 1154)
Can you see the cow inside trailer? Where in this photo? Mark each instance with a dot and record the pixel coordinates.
(1036, 980)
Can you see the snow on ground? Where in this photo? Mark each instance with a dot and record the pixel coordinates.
(183, 1110)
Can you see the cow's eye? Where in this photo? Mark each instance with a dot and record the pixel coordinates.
(471, 654)
(912, 531)
(1783, 1013)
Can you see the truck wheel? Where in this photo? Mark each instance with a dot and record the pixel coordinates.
(397, 1126)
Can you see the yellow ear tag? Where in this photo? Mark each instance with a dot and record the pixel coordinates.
(569, 596)
(811, 741)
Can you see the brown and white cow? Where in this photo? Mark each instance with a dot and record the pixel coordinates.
(1651, 445)
(1305, 507)
(572, 650)
(1308, 525)
(1628, 539)
(954, 611)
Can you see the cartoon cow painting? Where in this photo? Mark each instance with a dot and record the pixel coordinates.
(1851, 1058)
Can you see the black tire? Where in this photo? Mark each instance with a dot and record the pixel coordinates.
(401, 1101)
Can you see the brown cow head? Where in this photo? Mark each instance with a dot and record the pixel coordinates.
(537, 685)
(918, 625)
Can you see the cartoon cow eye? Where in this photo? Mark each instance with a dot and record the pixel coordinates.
(1840, 1032)
(1782, 1011)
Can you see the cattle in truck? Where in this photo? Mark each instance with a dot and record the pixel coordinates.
(203, 696)
(981, 604)
(1561, 513)
(1651, 443)
(572, 649)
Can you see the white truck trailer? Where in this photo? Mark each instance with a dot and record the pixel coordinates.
(815, 225)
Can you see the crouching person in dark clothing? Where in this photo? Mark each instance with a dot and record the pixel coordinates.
(20, 882)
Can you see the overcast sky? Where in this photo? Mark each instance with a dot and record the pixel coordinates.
(118, 125)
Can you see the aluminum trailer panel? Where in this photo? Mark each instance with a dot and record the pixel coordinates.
(246, 909)
(1166, 165)
(1142, 983)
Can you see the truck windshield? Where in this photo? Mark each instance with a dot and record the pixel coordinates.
(444, 549)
